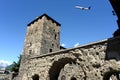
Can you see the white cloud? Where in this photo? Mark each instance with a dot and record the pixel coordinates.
(77, 44)
(63, 45)
(4, 63)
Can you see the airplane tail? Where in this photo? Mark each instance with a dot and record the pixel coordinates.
(89, 7)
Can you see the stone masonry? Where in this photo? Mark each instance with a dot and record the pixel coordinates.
(43, 60)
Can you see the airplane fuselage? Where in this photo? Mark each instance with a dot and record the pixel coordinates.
(82, 8)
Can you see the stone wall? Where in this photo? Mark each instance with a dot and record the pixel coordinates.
(6, 76)
(95, 61)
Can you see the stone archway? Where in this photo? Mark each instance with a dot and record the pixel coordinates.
(113, 75)
(72, 72)
(57, 66)
(63, 77)
(35, 77)
(73, 78)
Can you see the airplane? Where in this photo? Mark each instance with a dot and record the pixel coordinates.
(83, 8)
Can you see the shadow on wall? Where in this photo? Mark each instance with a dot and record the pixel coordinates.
(113, 49)
(57, 66)
(113, 52)
(113, 75)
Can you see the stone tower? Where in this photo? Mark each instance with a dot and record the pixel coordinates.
(42, 36)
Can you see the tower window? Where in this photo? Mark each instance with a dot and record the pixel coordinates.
(36, 30)
(55, 36)
(30, 44)
(50, 50)
(30, 51)
(52, 45)
(58, 33)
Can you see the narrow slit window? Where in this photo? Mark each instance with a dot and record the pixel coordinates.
(30, 51)
(55, 36)
(52, 45)
(50, 50)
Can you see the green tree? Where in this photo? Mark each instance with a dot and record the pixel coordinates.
(16, 65)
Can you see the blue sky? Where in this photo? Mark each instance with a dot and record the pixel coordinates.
(78, 27)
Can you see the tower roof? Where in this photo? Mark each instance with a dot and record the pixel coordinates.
(48, 17)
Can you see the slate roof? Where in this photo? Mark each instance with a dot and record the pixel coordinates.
(47, 18)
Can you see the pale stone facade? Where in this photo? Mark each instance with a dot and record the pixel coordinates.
(43, 60)
(42, 36)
